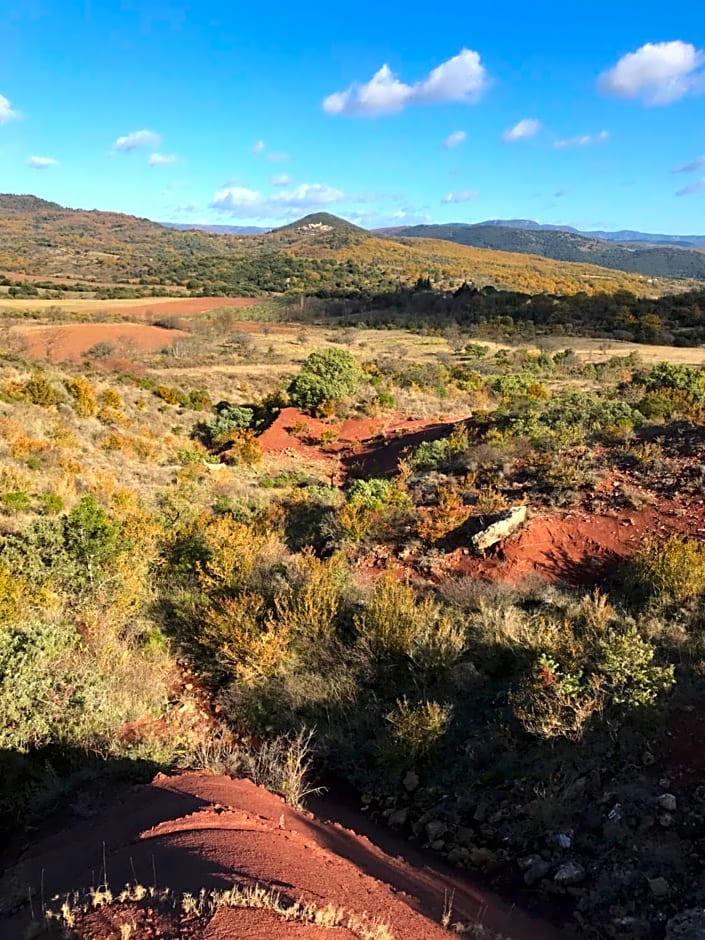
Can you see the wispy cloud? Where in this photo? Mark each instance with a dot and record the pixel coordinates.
(523, 130)
(246, 203)
(658, 73)
(697, 187)
(282, 180)
(692, 167)
(6, 111)
(583, 140)
(454, 139)
(162, 159)
(273, 156)
(41, 163)
(461, 78)
(463, 195)
(137, 140)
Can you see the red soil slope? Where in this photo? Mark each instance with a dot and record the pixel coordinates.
(199, 831)
(372, 445)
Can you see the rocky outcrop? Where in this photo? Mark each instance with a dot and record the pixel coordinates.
(502, 528)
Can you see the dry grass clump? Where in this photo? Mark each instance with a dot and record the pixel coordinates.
(204, 905)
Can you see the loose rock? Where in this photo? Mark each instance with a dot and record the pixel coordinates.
(435, 829)
(570, 873)
(668, 802)
(688, 925)
(659, 887)
(537, 871)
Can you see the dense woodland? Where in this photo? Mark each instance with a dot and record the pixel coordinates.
(673, 319)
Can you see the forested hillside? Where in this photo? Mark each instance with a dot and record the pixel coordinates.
(318, 255)
(651, 261)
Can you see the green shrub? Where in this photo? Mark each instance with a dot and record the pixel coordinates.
(674, 568)
(51, 504)
(442, 454)
(57, 688)
(16, 501)
(41, 698)
(399, 628)
(609, 669)
(198, 399)
(78, 549)
(376, 493)
(229, 418)
(39, 391)
(629, 676)
(417, 731)
(327, 375)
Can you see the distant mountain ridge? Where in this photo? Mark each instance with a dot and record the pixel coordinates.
(217, 229)
(559, 244)
(623, 235)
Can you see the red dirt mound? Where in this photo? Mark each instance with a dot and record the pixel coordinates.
(372, 445)
(579, 548)
(198, 831)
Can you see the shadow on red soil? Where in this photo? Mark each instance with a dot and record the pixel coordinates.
(364, 446)
(199, 831)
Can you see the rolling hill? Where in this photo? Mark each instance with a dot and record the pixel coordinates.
(319, 254)
(623, 235)
(561, 245)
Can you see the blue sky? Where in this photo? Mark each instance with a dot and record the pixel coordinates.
(384, 112)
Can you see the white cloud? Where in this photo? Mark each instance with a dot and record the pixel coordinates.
(6, 112)
(526, 128)
(41, 163)
(278, 157)
(282, 180)
(463, 195)
(454, 139)
(658, 73)
(137, 140)
(461, 78)
(162, 159)
(249, 204)
(692, 167)
(697, 187)
(583, 140)
(259, 146)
